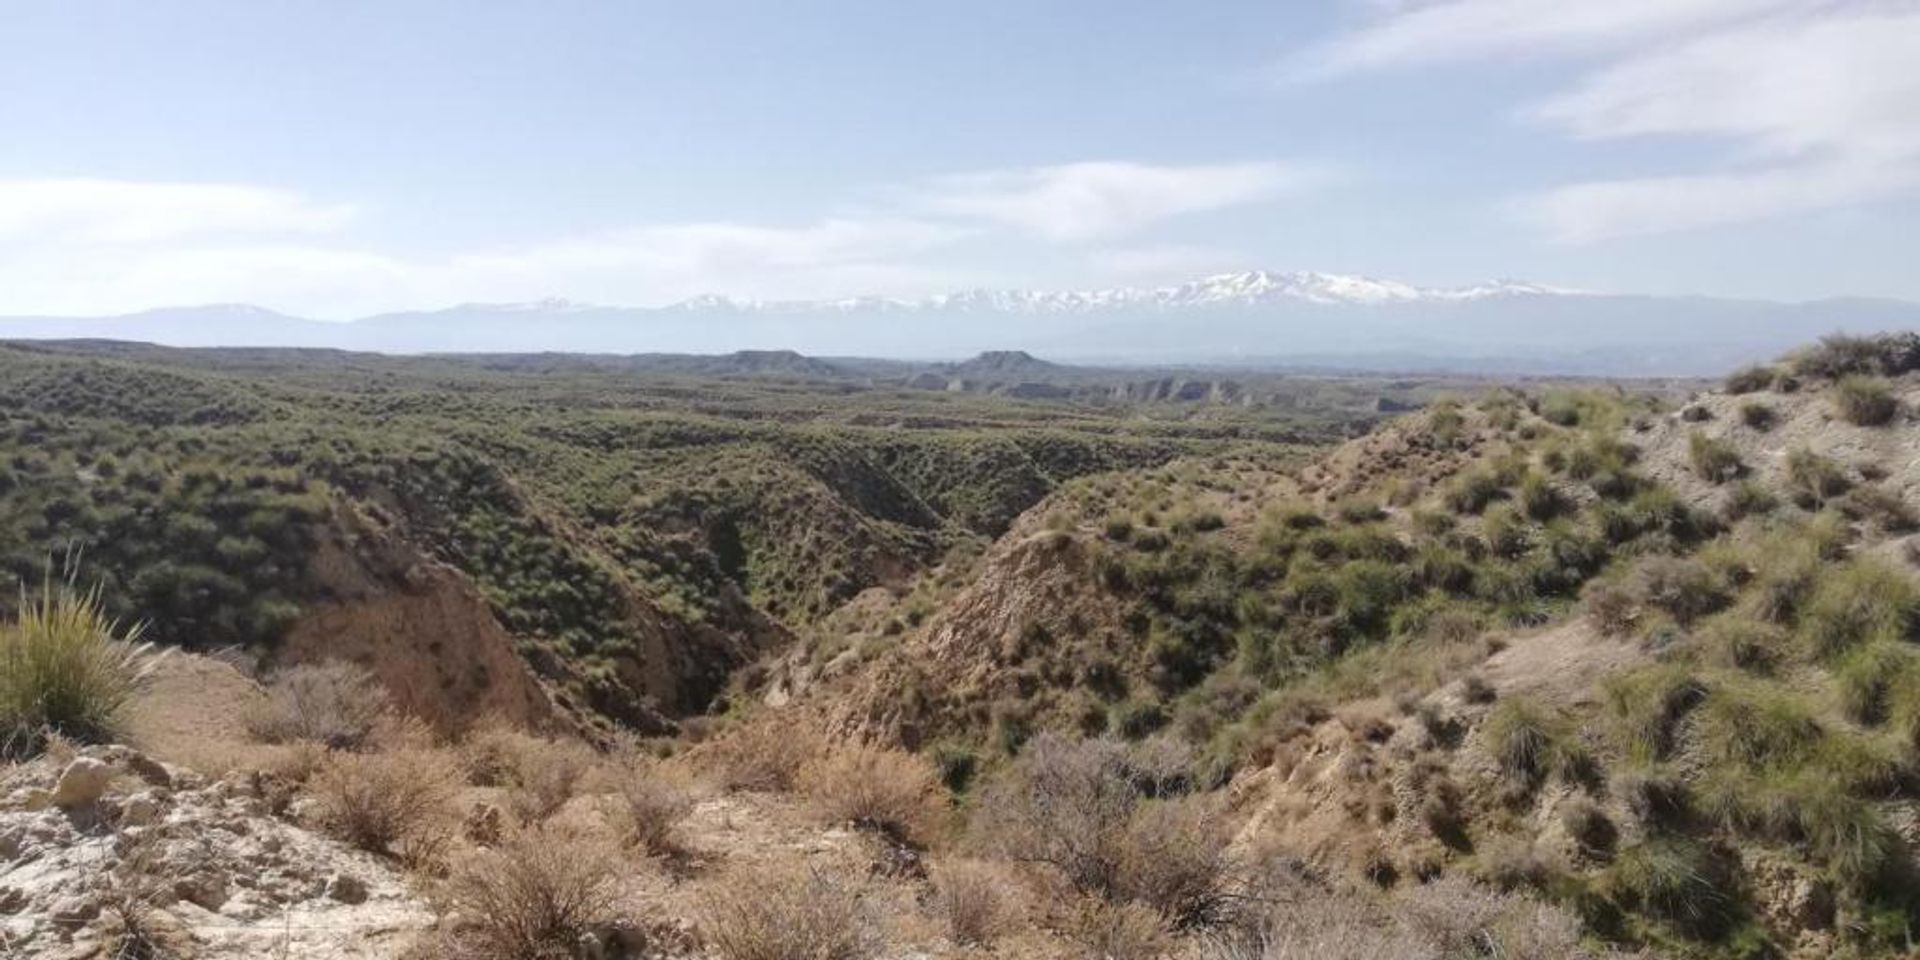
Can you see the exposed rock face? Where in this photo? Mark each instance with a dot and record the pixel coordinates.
(418, 625)
(219, 875)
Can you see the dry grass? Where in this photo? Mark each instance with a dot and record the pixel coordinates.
(534, 897)
(895, 793)
(337, 704)
(387, 802)
(786, 915)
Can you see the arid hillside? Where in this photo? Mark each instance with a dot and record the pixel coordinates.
(1547, 671)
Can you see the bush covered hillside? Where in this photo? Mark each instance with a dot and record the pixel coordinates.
(638, 527)
(590, 659)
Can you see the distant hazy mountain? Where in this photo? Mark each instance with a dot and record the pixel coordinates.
(1255, 318)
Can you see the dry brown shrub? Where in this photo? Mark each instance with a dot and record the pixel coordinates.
(1450, 917)
(1173, 858)
(784, 915)
(890, 791)
(760, 755)
(1081, 808)
(336, 703)
(387, 802)
(1119, 931)
(968, 900)
(539, 774)
(534, 897)
(648, 805)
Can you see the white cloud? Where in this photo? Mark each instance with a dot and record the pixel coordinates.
(1818, 100)
(96, 246)
(1160, 263)
(1439, 31)
(646, 265)
(121, 211)
(1080, 201)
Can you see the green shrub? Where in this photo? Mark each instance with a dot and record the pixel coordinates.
(1714, 461)
(1757, 415)
(1839, 355)
(66, 669)
(1750, 379)
(1864, 401)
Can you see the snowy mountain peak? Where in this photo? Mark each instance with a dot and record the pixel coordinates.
(1246, 287)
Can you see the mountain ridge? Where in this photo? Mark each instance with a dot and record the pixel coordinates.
(1238, 318)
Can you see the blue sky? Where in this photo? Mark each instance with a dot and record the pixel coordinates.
(339, 158)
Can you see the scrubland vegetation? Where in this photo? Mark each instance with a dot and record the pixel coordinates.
(1554, 672)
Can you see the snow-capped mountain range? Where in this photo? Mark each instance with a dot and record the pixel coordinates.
(1248, 318)
(1243, 288)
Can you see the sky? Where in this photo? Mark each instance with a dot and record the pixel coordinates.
(336, 159)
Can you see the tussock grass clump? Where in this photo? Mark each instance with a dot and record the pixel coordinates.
(1610, 607)
(1885, 509)
(1861, 601)
(337, 704)
(1748, 499)
(1713, 460)
(1471, 491)
(384, 802)
(532, 897)
(1684, 589)
(66, 668)
(1815, 479)
(1530, 740)
(1864, 401)
(1865, 678)
(1645, 706)
(1756, 726)
(786, 914)
(890, 791)
(1741, 643)
(1677, 880)
(1539, 500)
